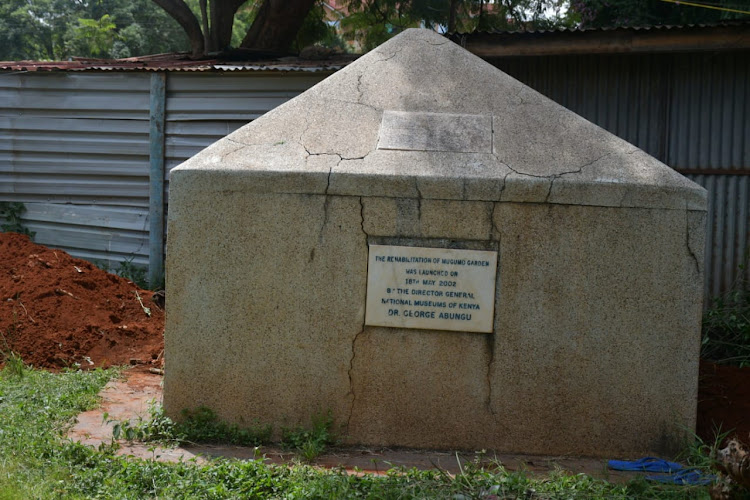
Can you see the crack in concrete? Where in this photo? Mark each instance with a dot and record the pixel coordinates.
(491, 346)
(328, 179)
(240, 145)
(549, 191)
(326, 214)
(502, 188)
(362, 218)
(361, 331)
(492, 136)
(557, 175)
(492, 221)
(391, 56)
(351, 381)
(360, 92)
(419, 199)
(356, 103)
(687, 243)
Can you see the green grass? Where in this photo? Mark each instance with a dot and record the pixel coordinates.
(36, 461)
(310, 443)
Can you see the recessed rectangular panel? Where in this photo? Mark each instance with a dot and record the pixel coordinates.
(447, 132)
(431, 288)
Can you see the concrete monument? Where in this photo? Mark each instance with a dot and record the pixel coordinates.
(441, 257)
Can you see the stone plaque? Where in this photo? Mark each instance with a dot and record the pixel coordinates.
(409, 131)
(431, 288)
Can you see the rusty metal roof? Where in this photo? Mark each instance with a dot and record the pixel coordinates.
(660, 27)
(729, 35)
(180, 62)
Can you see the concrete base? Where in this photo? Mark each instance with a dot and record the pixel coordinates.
(596, 325)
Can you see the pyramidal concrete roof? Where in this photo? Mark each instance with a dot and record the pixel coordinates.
(420, 117)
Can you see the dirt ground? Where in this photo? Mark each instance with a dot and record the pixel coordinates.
(57, 311)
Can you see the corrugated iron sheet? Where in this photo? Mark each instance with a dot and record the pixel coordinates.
(75, 147)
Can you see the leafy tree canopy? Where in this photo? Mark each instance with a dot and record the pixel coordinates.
(617, 13)
(59, 29)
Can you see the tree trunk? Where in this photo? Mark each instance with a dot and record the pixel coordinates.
(222, 19)
(452, 14)
(277, 24)
(206, 30)
(185, 17)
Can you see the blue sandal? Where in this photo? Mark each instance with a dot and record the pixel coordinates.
(645, 464)
(691, 477)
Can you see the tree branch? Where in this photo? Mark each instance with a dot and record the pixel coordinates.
(276, 24)
(181, 13)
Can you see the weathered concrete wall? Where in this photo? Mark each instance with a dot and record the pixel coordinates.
(596, 326)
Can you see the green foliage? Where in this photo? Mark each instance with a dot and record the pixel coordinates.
(310, 443)
(11, 211)
(613, 13)
(59, 29)
(133, 272)
(156, 428)
(95, 37)
(202, 425)
(197, 426)
(372, 22)
(34, 411)
(315, 30)
(37, 462)
(702, 454)
(11, 360)
(726, 327)
(13, 365)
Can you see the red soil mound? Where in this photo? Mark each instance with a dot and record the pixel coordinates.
(57, 310)
(723, 401)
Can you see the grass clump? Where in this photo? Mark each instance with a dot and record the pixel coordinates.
(310, 443)
(200, 425)
(11, 212)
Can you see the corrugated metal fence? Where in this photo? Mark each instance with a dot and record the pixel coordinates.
(74, 146)
(690, 110)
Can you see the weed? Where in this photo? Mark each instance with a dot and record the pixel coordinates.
(11, 360)
(136, 273)
(197, 426)
(11, 211)
(133, 272)
(310, 443)
(157, 427)
(701, 454)
(13, 365)
(726, 328)
(202, 425)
